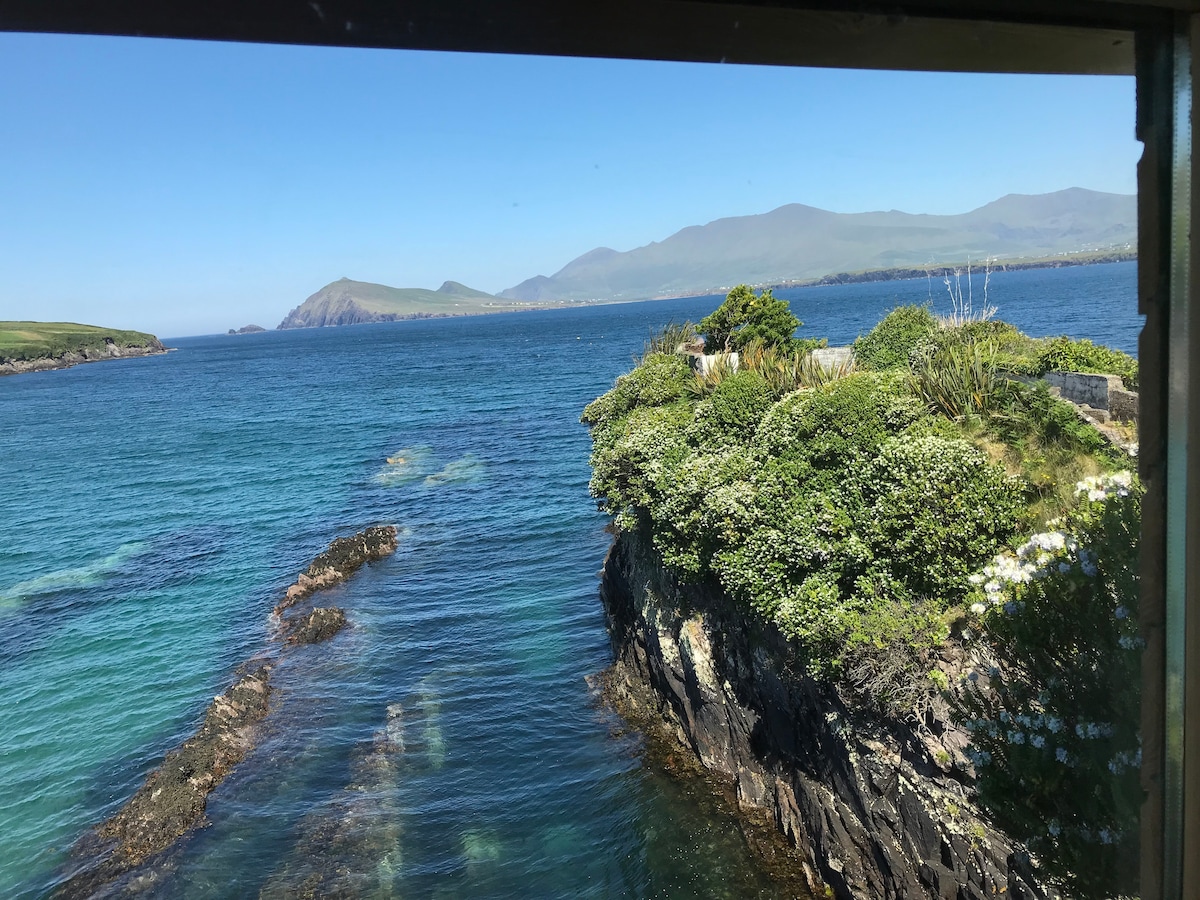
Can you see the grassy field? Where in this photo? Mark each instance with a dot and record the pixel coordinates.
(34, 340)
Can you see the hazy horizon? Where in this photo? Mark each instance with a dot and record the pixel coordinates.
(183, 187)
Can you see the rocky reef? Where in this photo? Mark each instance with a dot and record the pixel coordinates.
(876, 808)
(173, 799)
(344, 557)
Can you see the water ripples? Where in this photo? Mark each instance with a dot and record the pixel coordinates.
(446, 744)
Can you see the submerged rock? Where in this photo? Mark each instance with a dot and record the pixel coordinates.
(352, 845)
(173, 799)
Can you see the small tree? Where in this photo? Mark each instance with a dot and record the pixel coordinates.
(745, 317)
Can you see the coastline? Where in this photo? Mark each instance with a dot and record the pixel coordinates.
(77, 357)
(940, 270)
(912, 273)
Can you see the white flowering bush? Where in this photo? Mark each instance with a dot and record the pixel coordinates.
(936, 508)
(1054, 720)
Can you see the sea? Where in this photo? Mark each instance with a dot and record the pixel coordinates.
(153, 511)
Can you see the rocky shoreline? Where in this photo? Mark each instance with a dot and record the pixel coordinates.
(111, 350)
(873, 808)
(173, 799)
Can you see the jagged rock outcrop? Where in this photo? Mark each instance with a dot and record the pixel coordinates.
(110, 350)
(174, 796)
(319, 625)
(173, 799)
(878, 810)
(344, 557)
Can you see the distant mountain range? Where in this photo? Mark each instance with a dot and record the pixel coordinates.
(792, 243)
(797, 242)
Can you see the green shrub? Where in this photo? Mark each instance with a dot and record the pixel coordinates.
(1062, 354)
(935, 510)
(1016, 351)
(787, 370)
(889, 344)
(672, 337)
(739, 402)
(959, 379)
(660, 378)
(837, 423)
(706, 504)
(632, 459)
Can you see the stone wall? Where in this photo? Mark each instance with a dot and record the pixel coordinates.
(1100, 392)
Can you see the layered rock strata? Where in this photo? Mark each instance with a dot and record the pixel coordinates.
(876, 809)
(174, 797)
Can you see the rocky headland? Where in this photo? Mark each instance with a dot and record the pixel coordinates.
(844, 588)
(876, 809)
(348, 302)
(173, 799)
(67, 358)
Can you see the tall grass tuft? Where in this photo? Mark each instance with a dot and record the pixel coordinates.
(674, 338)
(959, 380)
(784, 370)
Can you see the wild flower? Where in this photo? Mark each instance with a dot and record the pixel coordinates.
(1098, 487)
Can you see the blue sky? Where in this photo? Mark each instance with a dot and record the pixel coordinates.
(186, 188)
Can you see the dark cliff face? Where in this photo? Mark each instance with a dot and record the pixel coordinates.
(867, 803)
(334, 309)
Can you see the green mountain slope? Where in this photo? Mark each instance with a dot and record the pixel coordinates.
(346, 302)
(797, 242)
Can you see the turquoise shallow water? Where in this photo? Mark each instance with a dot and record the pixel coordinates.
(155, 509)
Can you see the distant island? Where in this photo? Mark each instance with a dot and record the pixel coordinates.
(348, 302)
(247, 329)
(40, 346)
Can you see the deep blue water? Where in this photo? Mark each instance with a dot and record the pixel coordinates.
(154, 509)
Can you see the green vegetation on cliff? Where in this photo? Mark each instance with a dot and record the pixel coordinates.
(881, 512)
(38, 340)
